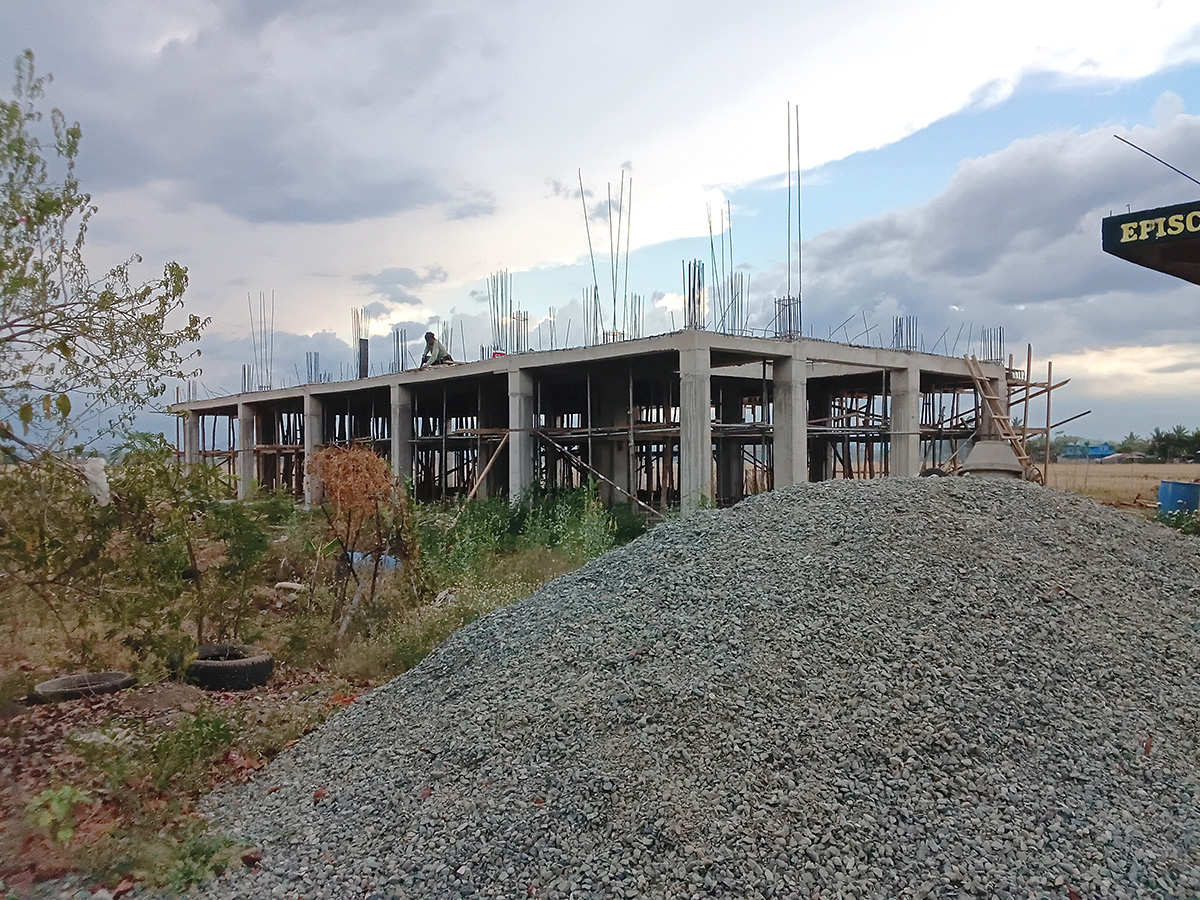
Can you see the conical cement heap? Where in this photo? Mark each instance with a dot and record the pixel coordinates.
(900, 688)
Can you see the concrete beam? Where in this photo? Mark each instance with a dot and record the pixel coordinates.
(695, 428)
(520, 439)
(402, 431)
(753, 349)
(791, 420)
(245, 456)
(905, 423)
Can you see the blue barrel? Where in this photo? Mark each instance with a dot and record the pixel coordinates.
(1176, 495)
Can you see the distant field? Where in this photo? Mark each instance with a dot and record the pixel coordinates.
(1119, 484)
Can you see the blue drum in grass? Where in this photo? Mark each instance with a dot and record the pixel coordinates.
(1176, 495)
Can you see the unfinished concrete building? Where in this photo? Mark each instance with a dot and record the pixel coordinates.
(677, 420)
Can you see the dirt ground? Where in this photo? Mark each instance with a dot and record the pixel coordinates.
(1129, 485)
(39, 747)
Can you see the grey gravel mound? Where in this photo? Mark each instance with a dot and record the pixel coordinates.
(899, 688)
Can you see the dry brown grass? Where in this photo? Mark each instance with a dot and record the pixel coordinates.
(1119, 484)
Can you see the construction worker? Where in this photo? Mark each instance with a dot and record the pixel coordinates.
(435, 352)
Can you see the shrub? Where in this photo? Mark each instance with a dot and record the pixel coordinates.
(53, 811)
(1182, 520)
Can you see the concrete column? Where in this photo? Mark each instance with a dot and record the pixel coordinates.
(245, 456)
(314, 431)
(695, 428)
(731, 477)
(191, 439)
(791, 383)
(611, 400)
(402, 431)
(790, 380)
(820, 405)
(987, 422)
(520, 438)
(906, 422)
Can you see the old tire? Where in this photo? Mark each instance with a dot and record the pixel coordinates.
(230, 667)
(85, 684)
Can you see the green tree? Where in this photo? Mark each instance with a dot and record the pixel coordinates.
(1131, 443)
(1171, 444)
(1037, 445)
(73, 349)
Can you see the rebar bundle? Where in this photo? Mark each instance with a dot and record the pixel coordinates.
(788, 323)
(733, 312)
(360, 325)
(635, 318)
(399, 349)
(257, 376)
(510, 326)
(593, 317)
(693, 294)
(904, 332)
(991, 345)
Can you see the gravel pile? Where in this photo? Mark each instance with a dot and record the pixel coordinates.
(901, 688)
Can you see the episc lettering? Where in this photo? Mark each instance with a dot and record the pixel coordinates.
(1160, 227)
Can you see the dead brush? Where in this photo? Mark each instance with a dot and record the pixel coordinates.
(369, 516)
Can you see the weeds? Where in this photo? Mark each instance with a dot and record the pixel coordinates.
(53, 811)
(1182, 520)
(210, 566)
(181, 755)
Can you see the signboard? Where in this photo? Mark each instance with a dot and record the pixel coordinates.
(1166, 239)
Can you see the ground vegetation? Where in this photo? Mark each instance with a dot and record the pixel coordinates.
(135, 573)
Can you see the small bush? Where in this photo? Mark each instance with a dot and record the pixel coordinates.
(53, 811)
(177, 758)
(1181, 520)
(180, 756)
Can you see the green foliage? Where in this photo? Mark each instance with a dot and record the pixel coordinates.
(1174, 444)
(1037, 445)
(199, 857)
(127, 752)
(64, 333)
(181, 754)
(461, 538)
(1181, 520)
(164, 850)
(1132, 443)
(168, 548)
(53, 811)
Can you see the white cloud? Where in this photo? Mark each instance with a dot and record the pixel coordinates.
(1015, 241)
(264, 141)
(344, 155)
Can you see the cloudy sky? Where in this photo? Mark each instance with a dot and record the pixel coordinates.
(391, 156)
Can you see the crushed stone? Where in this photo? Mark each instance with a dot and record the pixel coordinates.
(894, 688)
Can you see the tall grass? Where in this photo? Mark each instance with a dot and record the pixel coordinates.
(474, 556)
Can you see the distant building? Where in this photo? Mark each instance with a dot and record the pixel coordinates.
(1086, 451)
(1123, 458)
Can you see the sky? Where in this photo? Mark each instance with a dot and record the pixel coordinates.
(955, 166)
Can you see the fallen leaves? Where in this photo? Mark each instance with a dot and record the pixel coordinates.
(242, 763)
(40, 747)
